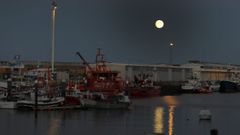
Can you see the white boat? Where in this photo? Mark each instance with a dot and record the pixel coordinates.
(214, 86)
(99, 101)
(205, 115)
(190, 86)
(3, 84)
(8, 105)
(42, 96)
(30, 104)
(3, 95)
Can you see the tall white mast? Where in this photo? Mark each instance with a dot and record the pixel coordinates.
(53, 15)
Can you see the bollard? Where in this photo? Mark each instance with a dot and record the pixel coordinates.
(214, 132)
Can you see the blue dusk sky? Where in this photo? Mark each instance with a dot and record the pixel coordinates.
(206, 30)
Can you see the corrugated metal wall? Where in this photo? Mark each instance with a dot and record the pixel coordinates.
(158, 73)
(206, 75)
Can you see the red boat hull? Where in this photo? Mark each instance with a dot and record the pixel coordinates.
(143, 92)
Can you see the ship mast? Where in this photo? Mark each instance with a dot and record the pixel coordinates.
(53, 17)
(100, 62)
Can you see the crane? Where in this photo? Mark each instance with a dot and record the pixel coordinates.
(85, 62)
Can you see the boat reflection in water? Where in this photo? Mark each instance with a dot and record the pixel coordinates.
(159, 116)
(54, 127)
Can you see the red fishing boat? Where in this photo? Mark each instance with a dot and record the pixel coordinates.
(101, 81)
(142, 89)
(101, 78)
(141, 92)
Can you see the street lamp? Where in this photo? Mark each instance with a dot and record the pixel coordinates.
(160, 24)
(171, 45)
(53, 15)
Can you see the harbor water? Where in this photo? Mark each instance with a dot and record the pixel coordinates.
(169, 115)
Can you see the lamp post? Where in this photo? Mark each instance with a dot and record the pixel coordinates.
(171, 45)
(53, 15)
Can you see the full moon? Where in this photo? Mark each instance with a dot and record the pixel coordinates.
(159, 24)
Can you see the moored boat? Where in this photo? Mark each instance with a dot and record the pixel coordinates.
(99, 101)
(141, 92)
(31, 104)
(190, 86)
(4, 104)
(8, 102)
(103, 87)
(196, 86)
(228, 87)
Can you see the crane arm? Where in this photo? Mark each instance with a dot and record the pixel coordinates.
(84, 61)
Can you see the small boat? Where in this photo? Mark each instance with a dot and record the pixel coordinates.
(3, 85)
(30, 104)
(195, 86)
(142, 87)
(203, 89)
(8, 104)
(43, 101)
(73, 97)
(228, 87)
(98, 100)
(190, 86)
(141, 92)
(214, 86)
(205, 115)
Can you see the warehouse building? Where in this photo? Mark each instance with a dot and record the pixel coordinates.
(161, 72)
(214, 71)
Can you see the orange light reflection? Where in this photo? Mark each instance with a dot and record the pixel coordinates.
(171, 120)
(54, 127)
(158, 120)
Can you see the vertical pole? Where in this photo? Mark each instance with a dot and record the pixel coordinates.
(54, 7)
(170, 54)
(63, 88)
(36, 95)
(97, 57)
(171, 45)
(9, 88)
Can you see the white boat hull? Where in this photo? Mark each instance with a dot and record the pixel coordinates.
(105, 105)
(205, 115)
(8, 105)
(30, 104)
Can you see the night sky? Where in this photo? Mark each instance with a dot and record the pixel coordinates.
(207, 30)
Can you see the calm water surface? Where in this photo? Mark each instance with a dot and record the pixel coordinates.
(171, 115)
